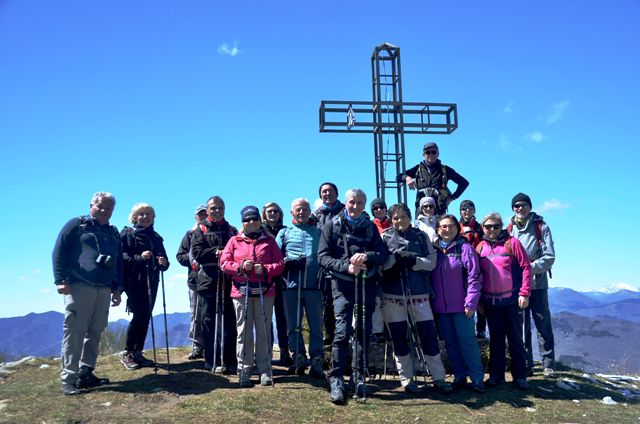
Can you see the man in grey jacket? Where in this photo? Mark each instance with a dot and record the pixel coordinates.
(534, 234)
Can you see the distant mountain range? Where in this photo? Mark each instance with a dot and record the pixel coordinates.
(596, 331)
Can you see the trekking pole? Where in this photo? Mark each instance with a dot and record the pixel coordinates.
(194, 321)
(215, 325)
(267, 333)
(153, 335)
(354, 342)
(298, 322)
(166, 330)
(414, 331)
(245, 314)
(222, 337)
(363, 318)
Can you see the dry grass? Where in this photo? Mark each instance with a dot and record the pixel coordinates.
(190, 394)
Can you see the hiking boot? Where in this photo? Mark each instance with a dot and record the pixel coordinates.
(285, 359)
(549, 373)
(129, 361)
(86, 379)
(494, 381)
(460, 383)
(412, 388)
(316, 370)
(196, 353)
(336, 386)
(266, 379)
(69, 389)
(141, 360)
(299, 367)
(208, 366)
(522, 384)
(442, 387)
(478, 387)
(359, 388)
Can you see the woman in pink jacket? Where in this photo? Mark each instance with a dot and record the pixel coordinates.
(506, 287)
(253, 260)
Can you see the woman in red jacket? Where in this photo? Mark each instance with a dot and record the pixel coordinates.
(253, 259)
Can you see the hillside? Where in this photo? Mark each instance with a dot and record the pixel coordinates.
(190, 394)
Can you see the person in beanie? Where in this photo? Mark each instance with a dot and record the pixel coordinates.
(144, 258)
(406, 294)
(252, 260)
(350, 247)
(430, 178)
(302, 294)
(185, 258)
(379, 213)
(207, 242)
(427, 217)
(506, 287)
(330, 208)
(471, 230)
(534, 234)
(87, 271)
(272, 218)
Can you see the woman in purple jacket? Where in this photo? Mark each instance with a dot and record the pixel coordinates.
(457, 285)
(506, 286)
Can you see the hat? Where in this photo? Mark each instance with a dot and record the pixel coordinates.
(467, 204)
(327, 183)
(430, 144)
(521, 197)
(426, 200)
(249, 212)
(378, 201)
(199, 209)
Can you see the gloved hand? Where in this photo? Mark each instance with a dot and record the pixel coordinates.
(406, 259)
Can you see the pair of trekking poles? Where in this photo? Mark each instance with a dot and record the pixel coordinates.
(360, 332)
(164, 313)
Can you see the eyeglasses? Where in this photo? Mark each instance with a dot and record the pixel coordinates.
(427, 207)
(492, 226)
(379, 208)
(430, 152)
(250, 219)
(468, 208)
(272, 211)
(519, 205)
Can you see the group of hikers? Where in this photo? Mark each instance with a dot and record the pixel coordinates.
(355, 276)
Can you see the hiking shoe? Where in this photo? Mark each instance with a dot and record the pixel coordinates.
(493, 381)
(285, 359)
(460, 383)
(478, 387)
(141, 360)
(86, 379)
(266, 379)
(412, 388)
(549, 373)
(208, 366)
(299, 366)
(129, 361)
(316, 370)
(196, 353)
(442, 387)
(359, 388)
(69, 389)
(336, 386)
(522, 384)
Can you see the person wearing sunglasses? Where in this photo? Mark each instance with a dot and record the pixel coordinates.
(506, 288)
(534, 234)
(426, 218)
(430, 178)
(272, 218)
(207, 242)
(252, 260)
(379, 212)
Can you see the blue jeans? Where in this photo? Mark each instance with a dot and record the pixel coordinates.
(539, 309)
(311, 306)
(462, 347)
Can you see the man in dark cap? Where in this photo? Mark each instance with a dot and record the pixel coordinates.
(430, 178)
(535, 236)
(185, 258)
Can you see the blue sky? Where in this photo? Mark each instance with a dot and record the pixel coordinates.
(170, 102)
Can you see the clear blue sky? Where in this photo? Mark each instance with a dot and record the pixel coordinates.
(170, 102)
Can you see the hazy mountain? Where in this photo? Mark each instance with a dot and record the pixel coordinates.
(564, 299)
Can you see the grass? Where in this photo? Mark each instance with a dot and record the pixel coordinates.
(190, 394)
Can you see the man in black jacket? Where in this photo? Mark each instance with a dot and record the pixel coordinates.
(185, 258)
(214, 289)
(87, 270)
(430, 178)
(350, 248)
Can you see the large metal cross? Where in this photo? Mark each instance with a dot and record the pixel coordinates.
(388, 116)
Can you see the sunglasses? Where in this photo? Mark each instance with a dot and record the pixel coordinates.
(251, 219)
(430, 152)
(428, 207)
(519, 205)
(469, 208)
(273, 211)
(492, 226)
(379, 208)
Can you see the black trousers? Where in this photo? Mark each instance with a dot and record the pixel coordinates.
(281, 319)
(139, 304)
(505, 320)
(227, 333)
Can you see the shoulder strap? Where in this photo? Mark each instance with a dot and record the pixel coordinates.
(444, 177)
(507, 246)
(538, 230)
(203, 228)
(509, 228)
(480, 246)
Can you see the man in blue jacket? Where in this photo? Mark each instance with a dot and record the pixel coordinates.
(87, 270)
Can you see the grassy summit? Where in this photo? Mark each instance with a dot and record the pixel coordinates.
(190, 394)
